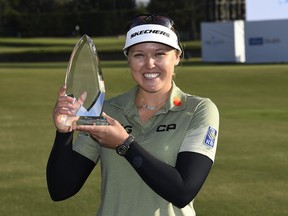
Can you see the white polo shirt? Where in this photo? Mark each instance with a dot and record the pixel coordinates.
(186, 123)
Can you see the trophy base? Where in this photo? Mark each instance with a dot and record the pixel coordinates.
(92, 120)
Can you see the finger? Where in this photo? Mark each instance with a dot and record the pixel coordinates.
(110, 120)
(64, 102)
(82, 98)
(62, 111)
(65, 99)
(104, 114)
(86, 128)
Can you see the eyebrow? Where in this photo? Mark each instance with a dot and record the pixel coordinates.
(157, 50)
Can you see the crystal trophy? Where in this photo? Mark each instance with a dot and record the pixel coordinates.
(84, 82)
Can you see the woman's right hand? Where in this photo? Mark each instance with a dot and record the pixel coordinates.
(64, 107)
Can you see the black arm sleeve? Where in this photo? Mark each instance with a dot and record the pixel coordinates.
(178, 185)
(66, 170)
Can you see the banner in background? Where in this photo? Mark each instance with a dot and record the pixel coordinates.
(266, 41)
(257, 10)
(223, 42)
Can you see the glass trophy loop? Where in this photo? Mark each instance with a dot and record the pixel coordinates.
(84, 82)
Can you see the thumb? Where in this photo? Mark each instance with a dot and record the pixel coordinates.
(62, 91)
(110, 120)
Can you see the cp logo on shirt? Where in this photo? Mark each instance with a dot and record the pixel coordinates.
(162, 128)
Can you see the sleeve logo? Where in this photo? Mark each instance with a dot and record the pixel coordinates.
(210, 137)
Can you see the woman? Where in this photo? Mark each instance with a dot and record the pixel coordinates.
(165, 139)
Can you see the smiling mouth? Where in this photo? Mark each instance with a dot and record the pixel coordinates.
(151, 75)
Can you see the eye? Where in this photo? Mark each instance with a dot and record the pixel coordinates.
(138, 55)
(160, 53)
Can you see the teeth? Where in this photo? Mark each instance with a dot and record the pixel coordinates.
(151, 75)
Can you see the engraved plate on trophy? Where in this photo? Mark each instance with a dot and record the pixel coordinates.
(85, 83)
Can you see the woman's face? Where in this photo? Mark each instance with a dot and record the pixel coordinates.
(152, 66)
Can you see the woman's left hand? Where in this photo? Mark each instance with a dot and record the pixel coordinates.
(108, 136)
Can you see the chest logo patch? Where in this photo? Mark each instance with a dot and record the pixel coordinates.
(210, 137)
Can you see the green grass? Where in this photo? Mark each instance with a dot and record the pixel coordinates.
(56, 45)
(250, 173)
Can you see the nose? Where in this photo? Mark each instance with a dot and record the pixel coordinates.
(150, 62)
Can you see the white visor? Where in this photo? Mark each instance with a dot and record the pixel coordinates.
(151, 33)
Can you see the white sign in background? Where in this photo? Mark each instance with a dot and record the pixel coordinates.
(266, 41)
(258, 10)
(223, 42)
(263, 38)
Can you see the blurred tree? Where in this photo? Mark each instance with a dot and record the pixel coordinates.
(116, 4)
(187, 14)
(17, 16)
(26, 18)
(36, 6)
(46, 6)
(78, 5)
